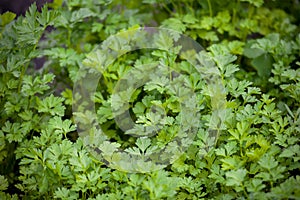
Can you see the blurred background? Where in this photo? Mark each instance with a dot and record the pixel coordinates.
(19, 6)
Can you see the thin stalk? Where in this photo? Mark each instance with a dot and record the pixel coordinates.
(209, 8)
(167, 8)
(69, 37)
(244, 191)
(26, 66)
(235, 8)
(250, 13)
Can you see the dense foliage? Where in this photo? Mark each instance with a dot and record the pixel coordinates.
(255, 45)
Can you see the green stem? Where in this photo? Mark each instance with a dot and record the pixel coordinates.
(177, 8)
(69, 37)
(241, 149)
(235, 8)
(246, 31)
(180, 10)
(209, 8)
(167, 8)
(26, 67)
(83, 195)
(244, 191)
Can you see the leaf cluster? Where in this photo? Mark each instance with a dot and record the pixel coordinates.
(253, 154)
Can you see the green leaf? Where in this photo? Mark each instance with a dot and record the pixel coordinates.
(230, 69)
(255, 185)
(37, 85)
(65, 194)
(14, 131)
(175, 24)
(291, 151)
(81, 14)
(52, 105)
(289, 189)
(139, 108)
(109, 148)
(61, 126)
(232, 163)
(143, 143)
(3, 183)
(26, 115)
(190, 19)
(257, 3)
(55, 4)
(263, 64)
(268, 162)
(68, 95)
(104, 112)
(66, 57)
(28, 28)
(235, 177)
(47, 17)
(6, 18)
(163, 41)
